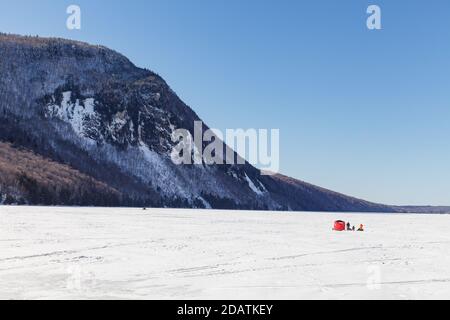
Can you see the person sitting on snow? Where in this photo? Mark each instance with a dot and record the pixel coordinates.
(361, 228)
(348, 226)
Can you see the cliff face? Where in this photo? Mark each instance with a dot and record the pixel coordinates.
(89, 108)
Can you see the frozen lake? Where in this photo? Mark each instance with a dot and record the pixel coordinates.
(73, 253)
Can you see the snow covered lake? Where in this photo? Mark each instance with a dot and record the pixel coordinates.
(100, 253)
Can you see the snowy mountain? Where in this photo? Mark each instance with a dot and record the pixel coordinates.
(90, 110)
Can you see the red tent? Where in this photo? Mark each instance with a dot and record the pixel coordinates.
(339, 225)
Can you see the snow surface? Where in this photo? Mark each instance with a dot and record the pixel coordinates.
(64, 253)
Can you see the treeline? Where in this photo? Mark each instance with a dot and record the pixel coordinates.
(79, 192)
(28, 178)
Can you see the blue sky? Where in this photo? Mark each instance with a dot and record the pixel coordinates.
(361, 112)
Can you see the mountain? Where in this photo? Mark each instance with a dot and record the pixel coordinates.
(79, 120)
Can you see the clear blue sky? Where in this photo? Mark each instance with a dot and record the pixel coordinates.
(361, 112)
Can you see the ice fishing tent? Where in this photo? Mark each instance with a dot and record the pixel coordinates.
(339, 225)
